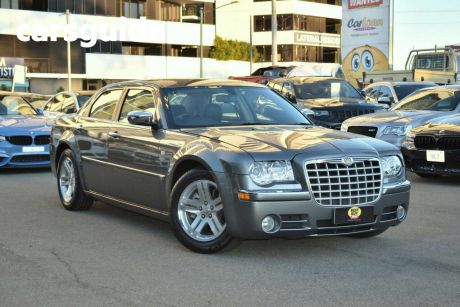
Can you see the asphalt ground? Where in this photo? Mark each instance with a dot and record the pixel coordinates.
(110, 257)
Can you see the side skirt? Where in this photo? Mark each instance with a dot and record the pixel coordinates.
(162, 215)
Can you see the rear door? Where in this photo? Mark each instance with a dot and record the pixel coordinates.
(136, 175)
(92, 137)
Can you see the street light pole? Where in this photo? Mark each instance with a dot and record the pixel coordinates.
(201, 41)
(251, 53)
(274, 36)
(69, 62)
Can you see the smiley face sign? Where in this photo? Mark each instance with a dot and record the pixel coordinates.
(363, 59)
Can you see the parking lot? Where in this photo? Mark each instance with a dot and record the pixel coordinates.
(108, 256)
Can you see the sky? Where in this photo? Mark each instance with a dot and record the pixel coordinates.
(424, 24)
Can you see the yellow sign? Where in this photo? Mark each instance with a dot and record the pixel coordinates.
(354, 213)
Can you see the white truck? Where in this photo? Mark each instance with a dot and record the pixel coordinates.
(438, 65)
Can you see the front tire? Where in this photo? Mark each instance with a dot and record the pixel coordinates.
(70, 190)
(197, 213)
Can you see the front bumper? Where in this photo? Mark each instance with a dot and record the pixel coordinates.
(12, 156)
(301, 216)
(416, 162)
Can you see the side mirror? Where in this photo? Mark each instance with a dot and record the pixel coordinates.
(363, 93)
(385, 100)
(142, 118)
(40, 111)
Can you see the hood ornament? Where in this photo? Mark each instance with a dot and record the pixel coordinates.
(347, 161)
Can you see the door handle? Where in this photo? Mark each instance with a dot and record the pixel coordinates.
(114, 134)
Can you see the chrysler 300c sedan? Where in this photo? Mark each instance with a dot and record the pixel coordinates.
(224, 160)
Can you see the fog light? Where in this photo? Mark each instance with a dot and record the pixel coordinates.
(270, 224)
(401, 212)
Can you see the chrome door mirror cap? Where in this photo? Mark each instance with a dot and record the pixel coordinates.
(141, 118)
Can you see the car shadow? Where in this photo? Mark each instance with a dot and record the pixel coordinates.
(444, 180)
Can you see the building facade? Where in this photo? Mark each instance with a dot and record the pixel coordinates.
(308, 31)
(173, 25)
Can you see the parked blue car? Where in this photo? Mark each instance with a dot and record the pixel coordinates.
(24, 134)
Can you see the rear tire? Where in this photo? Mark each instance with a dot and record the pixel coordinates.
(369, 234)
(197, 214)
(71, 193)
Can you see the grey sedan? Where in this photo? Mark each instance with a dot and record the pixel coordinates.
(413, 111)
(222, 160)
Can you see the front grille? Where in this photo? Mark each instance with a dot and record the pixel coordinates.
(341, 115)
(30, 158)
(20, 140)
(425, 142)
(449, 143)
(442, 143)
(42, 140)
(363, 130)
(335, 184)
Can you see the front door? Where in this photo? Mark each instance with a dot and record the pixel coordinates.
(134, 153)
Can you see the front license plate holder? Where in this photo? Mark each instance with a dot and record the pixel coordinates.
(354, 215)
(435, 156)
(32, 149)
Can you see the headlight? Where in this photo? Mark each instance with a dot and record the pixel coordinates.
(410, 136)
(265, 173)
(321, 113)
(344, 127)
(395, 130)
(391, 166)
(2, 138)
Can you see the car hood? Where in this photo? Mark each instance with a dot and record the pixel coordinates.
(334, 102)
(24, 124)
(396, 117)
(285, 142)
(447, 125)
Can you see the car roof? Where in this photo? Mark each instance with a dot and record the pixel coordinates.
(399, 83)
(301, 80)
(172, 83)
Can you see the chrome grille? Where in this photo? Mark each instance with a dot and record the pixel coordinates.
(335, 184)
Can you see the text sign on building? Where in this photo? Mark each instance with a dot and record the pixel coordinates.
(365, 37)
(316, 39)
(7, 66)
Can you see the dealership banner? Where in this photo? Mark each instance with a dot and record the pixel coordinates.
(365, 37)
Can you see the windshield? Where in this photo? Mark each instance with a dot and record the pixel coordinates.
(82, 99)
(404, 90)
(434, 100)
(228, 106)
(329, 88)
(14, 105)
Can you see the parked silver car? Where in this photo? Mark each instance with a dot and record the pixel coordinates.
(391, 93)
(413, 111)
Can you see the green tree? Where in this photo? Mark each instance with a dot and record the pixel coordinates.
(228, 49)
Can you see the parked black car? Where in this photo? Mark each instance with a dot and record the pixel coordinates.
(331, 100)
(434, 149)
(223, 160)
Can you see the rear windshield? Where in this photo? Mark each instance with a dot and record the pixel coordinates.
(404, 90)
(15, 105)
(432, 100)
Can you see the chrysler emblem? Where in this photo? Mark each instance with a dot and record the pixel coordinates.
(348, 161)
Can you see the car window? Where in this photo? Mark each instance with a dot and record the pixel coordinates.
(55, 104)
(404, 90)
(137, 100)
(105, 104)
(228, 106)
(82, 99)
(431, 100)
(68, 106)
(385, 92)
(328, 88)
(14, 105)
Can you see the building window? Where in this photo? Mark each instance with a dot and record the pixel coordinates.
(9, 4)
(265, 53)
(285, 53)
(170, 11)
(133, 8)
